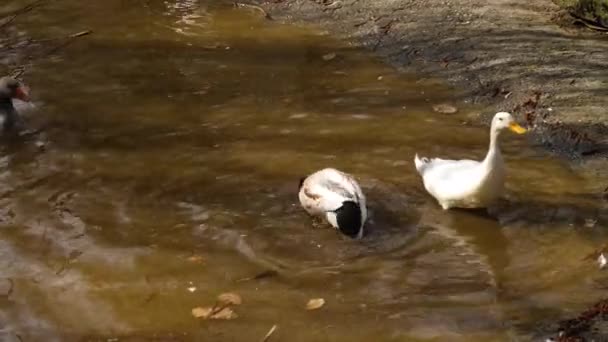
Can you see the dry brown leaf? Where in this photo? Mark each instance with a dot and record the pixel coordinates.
(214, 313)
(203, 313)
(197, 259)
(329, 56)
(229, 298)
(315, 303)
(224, 313)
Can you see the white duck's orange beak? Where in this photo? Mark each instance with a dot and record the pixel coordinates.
(515, 127)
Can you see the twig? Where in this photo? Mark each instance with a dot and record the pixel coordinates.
(269, 333)
(69, 39)
(262, 275)
(80, 34)
(75, 35)
(21, 11)
(217, 308)
(66, 43)
(590, 24)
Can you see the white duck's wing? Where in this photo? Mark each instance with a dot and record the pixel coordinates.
(326, 190)
(343, 183)
(319, 198)
(452, 178)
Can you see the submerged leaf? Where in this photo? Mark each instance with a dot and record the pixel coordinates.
(329, 56)
(445, 108)
(315, 303)
(197, 259)
(203, 313)
(214, 313)
(229, 298)
(224, 313)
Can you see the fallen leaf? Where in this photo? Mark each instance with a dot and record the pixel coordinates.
(204, 313)
(445, 108)
(229, 298)
(197, 259)
(214, 313)
(329, 56)
(224, 313)
(315, 303)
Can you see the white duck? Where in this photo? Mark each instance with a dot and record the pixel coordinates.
(336, 196)
(469, 183)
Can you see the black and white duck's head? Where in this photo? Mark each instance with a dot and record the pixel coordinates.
(348, 217)
(11, 88)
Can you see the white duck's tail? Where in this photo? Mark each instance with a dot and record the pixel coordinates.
(421, 163)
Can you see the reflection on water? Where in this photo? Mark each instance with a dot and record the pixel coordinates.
(175, 137)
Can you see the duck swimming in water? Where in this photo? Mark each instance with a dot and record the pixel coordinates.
(469, 183)
(10, 89)
(337, 197)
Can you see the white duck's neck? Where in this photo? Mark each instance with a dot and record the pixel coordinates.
(493, 157)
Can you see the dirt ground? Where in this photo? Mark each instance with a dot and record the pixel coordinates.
(523, 56)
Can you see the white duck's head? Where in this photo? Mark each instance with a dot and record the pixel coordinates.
(504, 120)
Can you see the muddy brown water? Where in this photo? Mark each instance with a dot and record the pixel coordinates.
(175, 137)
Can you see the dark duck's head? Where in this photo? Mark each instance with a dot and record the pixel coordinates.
(348, 217)
(10, 89)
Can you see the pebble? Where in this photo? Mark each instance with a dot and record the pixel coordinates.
(602, 261)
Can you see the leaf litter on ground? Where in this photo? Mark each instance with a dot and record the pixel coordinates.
(445, 108)
(222, 308)
(315, 303)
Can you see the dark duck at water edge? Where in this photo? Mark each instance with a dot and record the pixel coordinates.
(10, 89)
(337, 197)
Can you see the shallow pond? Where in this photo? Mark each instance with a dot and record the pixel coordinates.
(175, 137)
